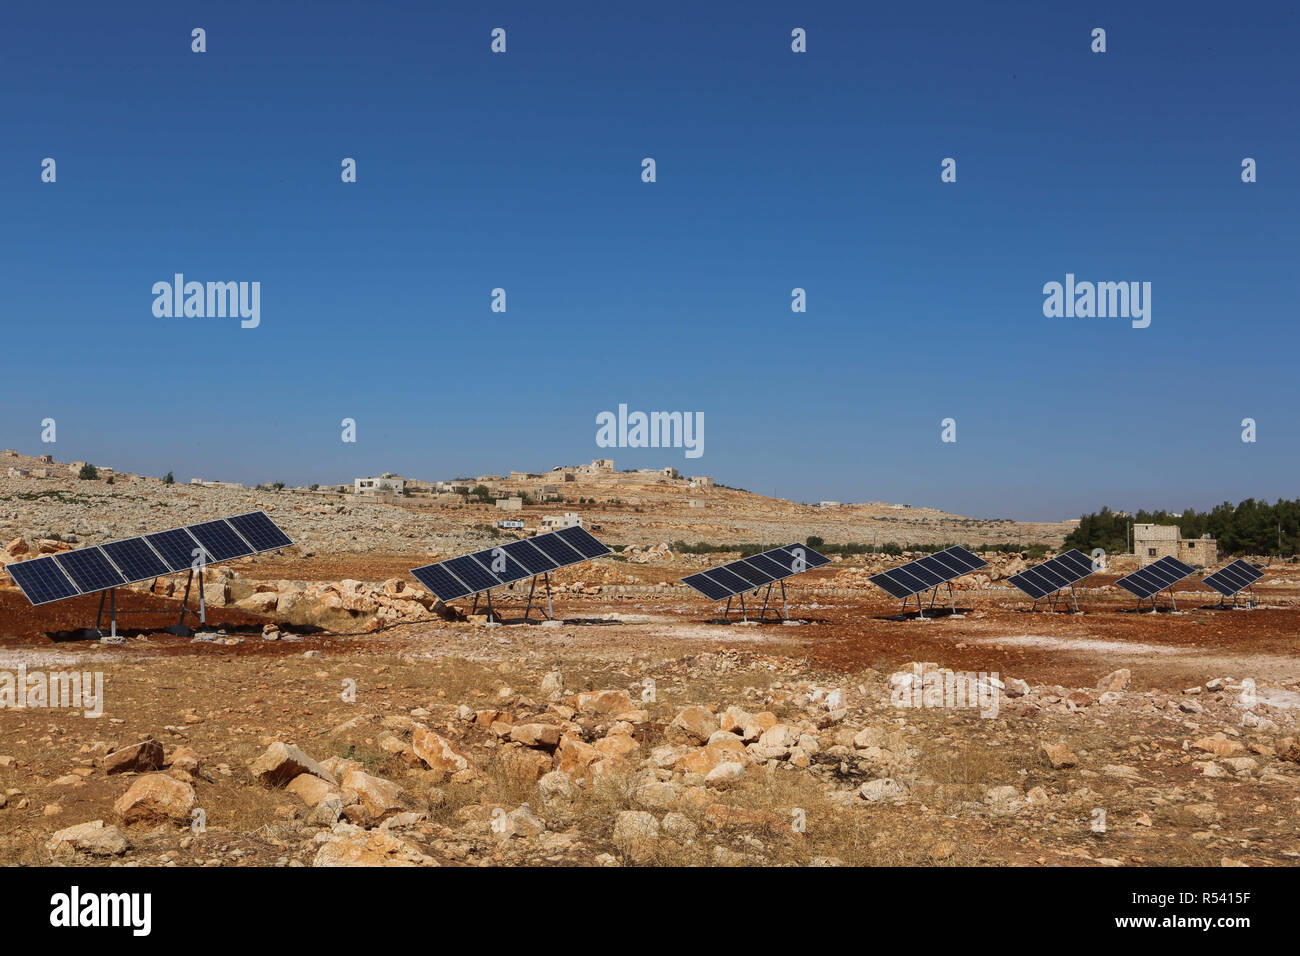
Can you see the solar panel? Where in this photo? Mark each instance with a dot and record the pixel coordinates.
(177, 547)
(500, 565)
(1053, 575)
(1234, 578)
(504, 564)
(219, 540)
(1154, 578)
(961, 559)
(749, 574)
(733, 582)
(767, 565)
(472, 573)
(90, 570)
(792, 555)
(260, 531)
(123, 562)
(927, 572)
(42, 580)
(555, 549)
(710, 588)
(441, 583)
(526, 554)
(135, 559)
(582, 542)
(895, 587)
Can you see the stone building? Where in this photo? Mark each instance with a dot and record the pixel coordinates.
(1151, 542)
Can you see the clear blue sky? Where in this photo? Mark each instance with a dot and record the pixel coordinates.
(775, 170)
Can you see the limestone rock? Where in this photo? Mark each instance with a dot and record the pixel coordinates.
(156, 798)
(282, 762)
(93, 838)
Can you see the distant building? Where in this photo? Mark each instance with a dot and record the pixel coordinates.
(510, 504)
(514, 524)
(570, 519)
(19, 473)
(829, 504)
(602, 464)
(385, 484)
(1151, 542)
(701, 481)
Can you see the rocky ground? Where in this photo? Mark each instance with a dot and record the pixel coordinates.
(333, 713)
(649, 738)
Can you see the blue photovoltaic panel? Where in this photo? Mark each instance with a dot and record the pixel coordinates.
(441, 583)
(260, 531)
(555, 549)
(135, 559)
(791, 554)
(927, 572)
(928, 578)
(42, 580)
(768, 566)
(728, 579)
(90, 570)
(957, 557)
(1051, 576)
(176, 547)
(710, 588)
(1154, 578)
(219, 540)
(472, 573)
(749, 574)
(582, 542)
(530, 557)
(895, 587)
(1234, 578)
(494, 558)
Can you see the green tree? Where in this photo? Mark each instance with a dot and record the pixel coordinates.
(88, 472)
(169, 479)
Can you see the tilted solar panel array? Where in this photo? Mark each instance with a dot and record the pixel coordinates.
(504, 564)
(1234, 578)
(928, 572)
(750, 574)
(1154, 578)
(88, 570)
(1051, 576)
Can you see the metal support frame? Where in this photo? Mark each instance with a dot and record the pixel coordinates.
(528, 605)
(762, 612)
(178, 628)
(934, 595)
(1250, 605)
(1154, 607)
(1054, 599)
